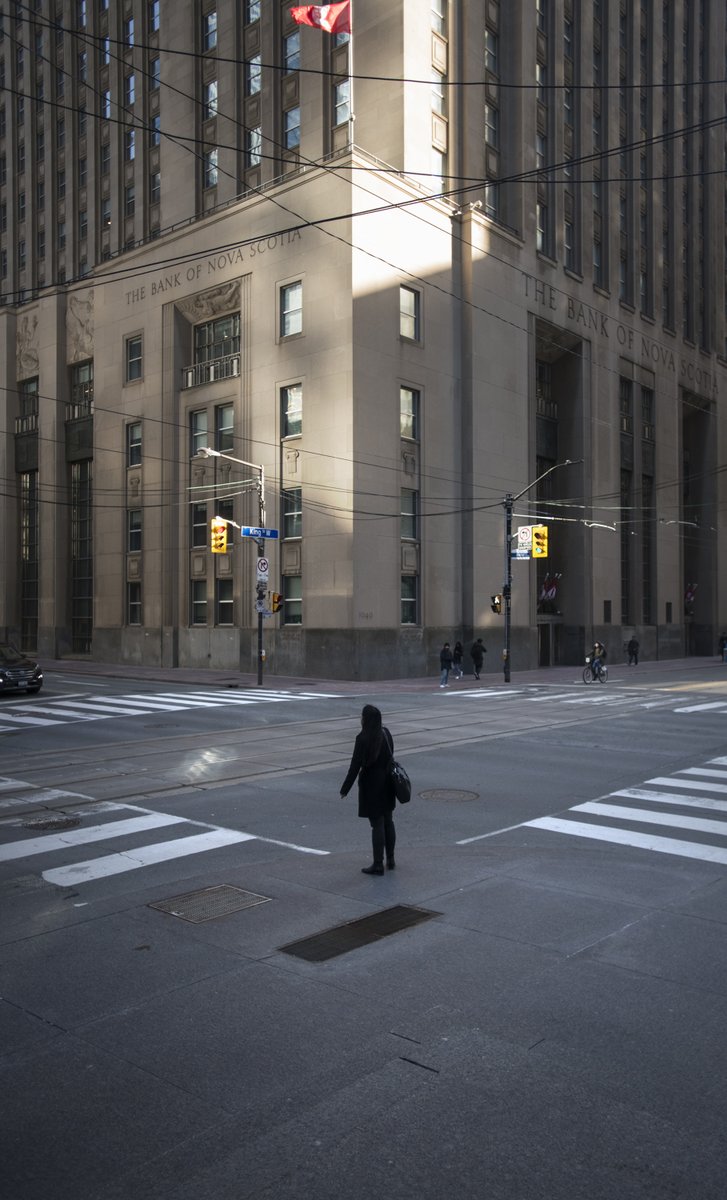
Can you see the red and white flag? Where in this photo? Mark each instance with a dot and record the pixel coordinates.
(334, 18)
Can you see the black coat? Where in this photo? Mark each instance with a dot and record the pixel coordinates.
(375, 789)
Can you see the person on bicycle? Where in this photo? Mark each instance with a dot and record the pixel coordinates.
(598, 657)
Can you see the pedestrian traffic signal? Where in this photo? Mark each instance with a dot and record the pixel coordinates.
(496, 604)
(218, 536)
(276, 601)
(540, 541)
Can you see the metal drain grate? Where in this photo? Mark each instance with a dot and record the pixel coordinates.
(449, 794)
(209, 903)
(53, 823)
(354, 934)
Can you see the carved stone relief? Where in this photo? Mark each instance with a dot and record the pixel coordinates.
(26, 347)
(222, 299)
(79, 326)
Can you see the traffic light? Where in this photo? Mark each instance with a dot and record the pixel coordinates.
(496, 603)
(276, 601)
(218, 536)
(540, 541)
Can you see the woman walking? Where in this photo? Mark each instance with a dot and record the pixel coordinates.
(372, 755)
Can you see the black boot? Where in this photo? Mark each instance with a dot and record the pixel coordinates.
(374, 869)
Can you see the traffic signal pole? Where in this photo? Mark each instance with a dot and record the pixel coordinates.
(507, 583)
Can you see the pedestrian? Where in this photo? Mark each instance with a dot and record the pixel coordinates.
(373, 752)
(477, 654)
(633, 649)
(457, 656)
(445, 663)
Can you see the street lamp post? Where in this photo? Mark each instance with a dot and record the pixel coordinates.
(507, 504)
(259, 483)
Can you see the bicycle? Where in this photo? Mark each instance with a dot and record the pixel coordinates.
(600, 674)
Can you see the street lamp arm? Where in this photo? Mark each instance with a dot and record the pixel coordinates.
(569, 462)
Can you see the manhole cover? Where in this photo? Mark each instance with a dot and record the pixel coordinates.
(354, 934)
(53, 823)
(209, 903)
(450, 794)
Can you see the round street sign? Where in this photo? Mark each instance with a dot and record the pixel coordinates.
(263, 566)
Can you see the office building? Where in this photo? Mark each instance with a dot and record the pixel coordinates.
(466, 253)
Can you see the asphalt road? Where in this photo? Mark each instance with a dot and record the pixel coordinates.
(556, 1029)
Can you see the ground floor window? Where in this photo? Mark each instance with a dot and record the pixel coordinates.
(199, 602)
(225, 604)
(409, 599)
(81, 557)
(292, 600)
(29, 532)
(133, 604)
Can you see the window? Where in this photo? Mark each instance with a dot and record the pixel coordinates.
(199, 525)
(81, 14)
(439, 16)
(3, 170)
(291, 309)
(129, 31)
(133, 444)
(224, 427)
(154, 16)
(291, 398)
(61, 185)
(409, 513)
(291, 51)
(224, 602)
(409, 599)
(61, 235)
(105, 214)
(492, 126)
(40, 243)
(39, 145)
(82, 224)
(292, 600)
(409, 316)
(130, 145)
(105, 158)
(3, 217)
(129, 90)
(292, 513)
(252, 11)
(82, 120)
(40, 195)
(210, 99)
(133, 604)
(106, 104)
(21, 157)
(21, 206)
(291, 128)
(155, 187)
(133, 530)
(217, 339)
(155, 131)
(154, 73)
(82, 66)
(209, 30)
(253, 146)
(3, 123)
(492, 51)
(210, 168)
(199, 601)
(198, 437)
(104, 51)
(342, 102)
(129, 200)
(20, 110)
(253, 75)
(133, 358)
(82, 172)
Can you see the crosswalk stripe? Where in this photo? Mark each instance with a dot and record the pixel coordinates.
(702, 707)
(645, 816)
(629, 837)
(80, 837)
(27, 720)
(143, 856)
(485, 693)
(100, 707)
(709, 771)
(673, 782)
(58, 712)
(163, 705)
(672, 798)
(6, 783)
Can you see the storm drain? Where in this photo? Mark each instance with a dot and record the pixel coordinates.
(354, 934)
(448, 794)
(209, 903)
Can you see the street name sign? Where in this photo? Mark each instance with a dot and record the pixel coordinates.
(257, 531)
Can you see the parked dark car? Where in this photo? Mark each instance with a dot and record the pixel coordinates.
(18, 673)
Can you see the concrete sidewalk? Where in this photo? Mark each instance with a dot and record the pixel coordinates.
(618, 672)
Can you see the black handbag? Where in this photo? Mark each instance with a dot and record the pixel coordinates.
(401, 782)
